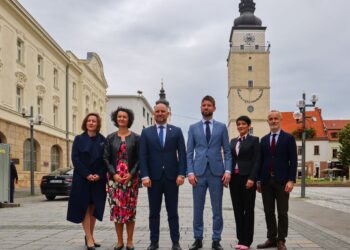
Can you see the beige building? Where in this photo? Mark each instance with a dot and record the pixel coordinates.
(36, 72)
(248, 72)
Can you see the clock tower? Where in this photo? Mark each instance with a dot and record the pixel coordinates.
(248, 71)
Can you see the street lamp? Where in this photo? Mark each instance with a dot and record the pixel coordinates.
(301, 114)
(32, 121)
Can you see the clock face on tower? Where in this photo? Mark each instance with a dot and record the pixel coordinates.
(249, 38)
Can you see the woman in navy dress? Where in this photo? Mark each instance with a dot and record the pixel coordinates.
(88, 195)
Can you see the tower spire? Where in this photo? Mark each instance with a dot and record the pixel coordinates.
(162, 95)
(247, 17)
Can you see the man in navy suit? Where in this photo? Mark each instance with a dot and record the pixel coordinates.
(207, 169)
(276, 179)
(162, 157)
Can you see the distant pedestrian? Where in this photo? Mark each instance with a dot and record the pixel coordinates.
(121, 158)
(276, 179)
(88, 195)
(245, 151)
(13, 179)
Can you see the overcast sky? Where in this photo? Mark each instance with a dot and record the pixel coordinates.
(186, 42)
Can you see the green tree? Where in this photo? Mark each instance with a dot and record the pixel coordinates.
(344, 152)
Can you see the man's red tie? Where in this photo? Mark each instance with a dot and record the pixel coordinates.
(273, 151)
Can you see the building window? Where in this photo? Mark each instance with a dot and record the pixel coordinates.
(20, 51)
(242, 47)
(55, 116)
(147, 118)
(86, 111)
(251, 131)
(250, 84)
(74, 90)
(74, 124)
(55, 158)
(335, 153)
(40, 66)
(316, 150)
(40, 105)
(26, 155)
(250, 68)
(55, 78)
(95, 107)
(19, 99)
(144, 112)
(256, 47)
(334, 135)
(300, 150)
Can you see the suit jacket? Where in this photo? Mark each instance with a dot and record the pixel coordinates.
(112, 148)
(248, 159)
(156, 160)
(200, 153)
(285, 160)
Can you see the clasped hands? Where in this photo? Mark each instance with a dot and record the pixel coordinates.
(225, 179)
(148, 183)
(117, 178)
(93, 177)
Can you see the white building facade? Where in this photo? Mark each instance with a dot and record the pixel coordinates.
(36, 72)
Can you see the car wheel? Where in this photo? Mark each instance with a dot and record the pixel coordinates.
(50, 197)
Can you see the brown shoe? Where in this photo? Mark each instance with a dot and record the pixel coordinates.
(267, 244)
(281, 245)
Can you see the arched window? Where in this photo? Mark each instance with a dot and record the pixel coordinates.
(55, 157)
(26, 155)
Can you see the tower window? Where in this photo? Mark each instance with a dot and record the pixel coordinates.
(256, 47)
(242, 47)
(251, 131)
(250, 68)
(250, 84)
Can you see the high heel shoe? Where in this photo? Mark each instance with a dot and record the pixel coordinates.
(95, 244)
(119, 248)
(90, 248)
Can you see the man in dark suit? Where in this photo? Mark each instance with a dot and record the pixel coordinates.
(162, 157)
(276, 179)
(245, 151)
(207, 169)
(13, 179)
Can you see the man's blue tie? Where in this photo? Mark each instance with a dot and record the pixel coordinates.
(207, 131)
(161, 136)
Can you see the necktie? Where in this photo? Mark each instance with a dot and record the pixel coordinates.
(207, 131)
(273, 151)
(161, 136)
(238, 146)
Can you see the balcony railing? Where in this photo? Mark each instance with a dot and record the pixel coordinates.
(250, 48)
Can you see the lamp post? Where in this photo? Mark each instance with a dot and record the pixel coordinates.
(32, 121)
(301, 114)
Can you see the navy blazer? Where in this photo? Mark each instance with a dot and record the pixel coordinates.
(155, 160)
(285, 160)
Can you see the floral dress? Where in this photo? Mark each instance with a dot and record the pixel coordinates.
(122, 197)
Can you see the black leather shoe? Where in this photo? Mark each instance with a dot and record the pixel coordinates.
(176, 246)
(153, 246)
(216, 245)
(130, 248)
(267, 244)
(90, 248)
(119, 248)
(197, 244)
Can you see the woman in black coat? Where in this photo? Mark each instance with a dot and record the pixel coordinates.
(245, 154)
(88, 195)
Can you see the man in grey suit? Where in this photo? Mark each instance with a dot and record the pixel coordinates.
(207, 169)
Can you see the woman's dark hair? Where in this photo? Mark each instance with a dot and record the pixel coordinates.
(209, 98)
(83, 125)
(245, 119)
(130, 113)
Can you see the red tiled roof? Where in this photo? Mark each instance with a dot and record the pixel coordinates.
(289, 124)
(333, 127)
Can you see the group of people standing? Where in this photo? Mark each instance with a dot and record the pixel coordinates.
(116, 166)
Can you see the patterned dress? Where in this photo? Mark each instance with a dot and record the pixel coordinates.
(122, 197)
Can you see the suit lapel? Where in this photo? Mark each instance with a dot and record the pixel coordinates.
(201, 131)
(156, 136)
(167, 135)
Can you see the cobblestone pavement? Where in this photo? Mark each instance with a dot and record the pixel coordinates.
(314, 223)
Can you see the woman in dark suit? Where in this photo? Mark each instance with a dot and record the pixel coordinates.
(121, 158)
(88, 195)
(245, 153)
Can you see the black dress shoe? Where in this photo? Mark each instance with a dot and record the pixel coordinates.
(95, 244)
(267, 244)
(216, 245)
(176, 246)
(197, 244)
(130, 248)
(153, 246)
(119, 248)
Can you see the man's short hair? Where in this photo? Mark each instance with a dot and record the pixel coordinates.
(275, 111)
(209, 98)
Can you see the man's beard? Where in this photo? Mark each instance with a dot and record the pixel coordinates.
(207, 114)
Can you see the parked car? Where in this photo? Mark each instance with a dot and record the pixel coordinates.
(57, 183)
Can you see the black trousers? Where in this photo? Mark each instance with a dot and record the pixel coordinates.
(243, 202)
(155, 196)
(273, 193)
(12, 190)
